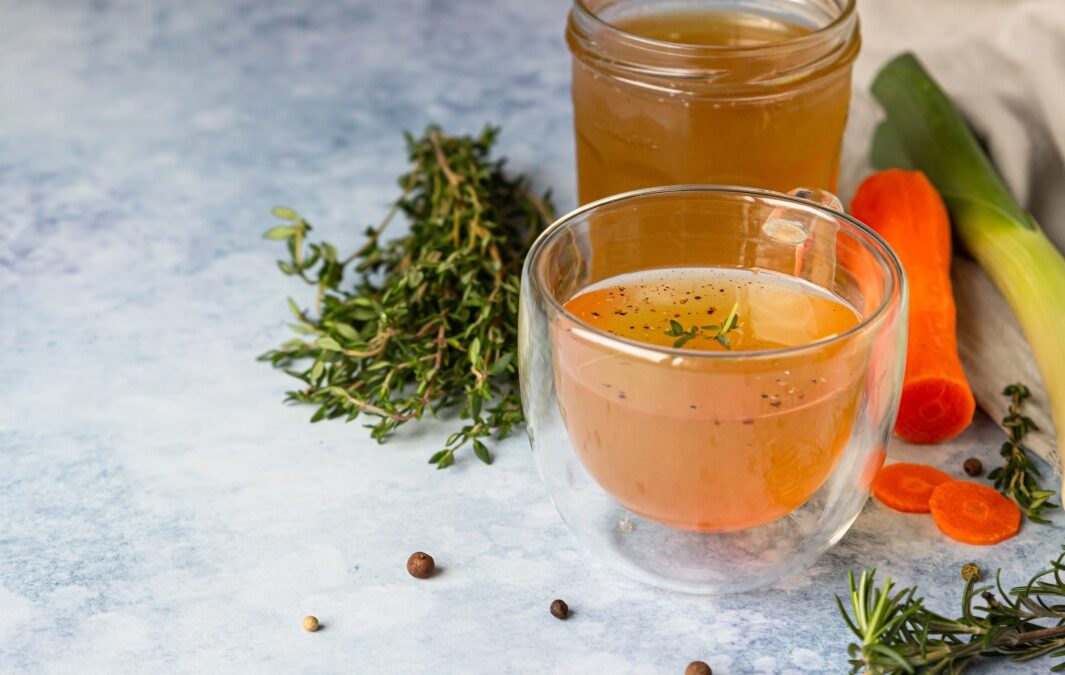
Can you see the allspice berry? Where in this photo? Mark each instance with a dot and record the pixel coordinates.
(421, 565)
(560, 610)
(698, 668)
(310, 623)
(973, 466)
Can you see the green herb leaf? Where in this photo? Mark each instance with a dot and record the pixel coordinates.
(285, 213)
(280, 232)
(475, 351)
(499, 366)
(347, 332)
(481, 451)
(329, 343)
(295, 309)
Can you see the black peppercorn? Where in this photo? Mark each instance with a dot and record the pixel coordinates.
(560, 610)
(973, 466)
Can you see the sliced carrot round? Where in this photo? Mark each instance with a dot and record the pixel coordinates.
(973, 513)
(907, 487)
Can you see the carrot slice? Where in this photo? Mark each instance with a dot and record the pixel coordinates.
(973, 513)
(907, 487)
(905, 209)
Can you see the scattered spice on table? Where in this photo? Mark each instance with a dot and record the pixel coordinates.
(698, 668)
(970, 571)
(421, 565)
(973, 466)
(310, 623)
(560, 610)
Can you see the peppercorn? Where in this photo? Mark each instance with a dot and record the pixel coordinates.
(970, 571)
(560, 610)
(698, 668)
(310, 623)
(973, 466)
(421, 565)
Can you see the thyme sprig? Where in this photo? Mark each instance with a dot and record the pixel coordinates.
(1018, 477)
(721, 331)
(897, 634)
(429, 324)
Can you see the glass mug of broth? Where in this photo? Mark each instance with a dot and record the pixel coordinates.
(708, 403)
(744, 92)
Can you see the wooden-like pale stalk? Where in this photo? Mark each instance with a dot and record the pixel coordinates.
(924, 130)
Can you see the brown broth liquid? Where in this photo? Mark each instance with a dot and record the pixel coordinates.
(714, 445)
(631, 136)
(710, 28)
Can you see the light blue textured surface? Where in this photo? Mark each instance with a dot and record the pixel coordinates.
(160, 510)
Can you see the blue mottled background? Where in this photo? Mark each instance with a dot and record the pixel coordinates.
(160, 510)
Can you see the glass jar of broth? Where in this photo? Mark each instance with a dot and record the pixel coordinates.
(741, 92)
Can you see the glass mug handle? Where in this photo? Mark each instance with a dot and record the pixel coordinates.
(813, 240)
(822, 197)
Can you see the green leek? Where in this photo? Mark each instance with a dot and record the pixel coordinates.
(924, 130)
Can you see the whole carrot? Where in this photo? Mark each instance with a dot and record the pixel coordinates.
(904, 208)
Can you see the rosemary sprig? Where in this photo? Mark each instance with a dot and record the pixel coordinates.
(897, 634)
(721, 331)
(1017, 478)
(430, 323)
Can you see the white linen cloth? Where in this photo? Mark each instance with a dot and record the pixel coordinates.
(1002, 62)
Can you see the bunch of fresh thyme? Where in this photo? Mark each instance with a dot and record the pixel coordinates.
(898, 634)
(430, 322)
(1017, 478)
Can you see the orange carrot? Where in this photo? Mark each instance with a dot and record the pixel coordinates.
(907, 487)
(904, 208)
(973, 513)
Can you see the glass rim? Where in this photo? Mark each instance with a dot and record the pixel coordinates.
(896, 287)
(846, 13)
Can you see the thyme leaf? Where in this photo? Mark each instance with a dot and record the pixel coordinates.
(1018, 476)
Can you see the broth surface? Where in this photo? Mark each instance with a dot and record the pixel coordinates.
(708, 444)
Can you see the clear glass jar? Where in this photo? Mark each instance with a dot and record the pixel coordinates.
(710, 471)
(764, 105)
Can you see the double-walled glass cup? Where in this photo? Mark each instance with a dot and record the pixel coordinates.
(710, 471)
(758, 95)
